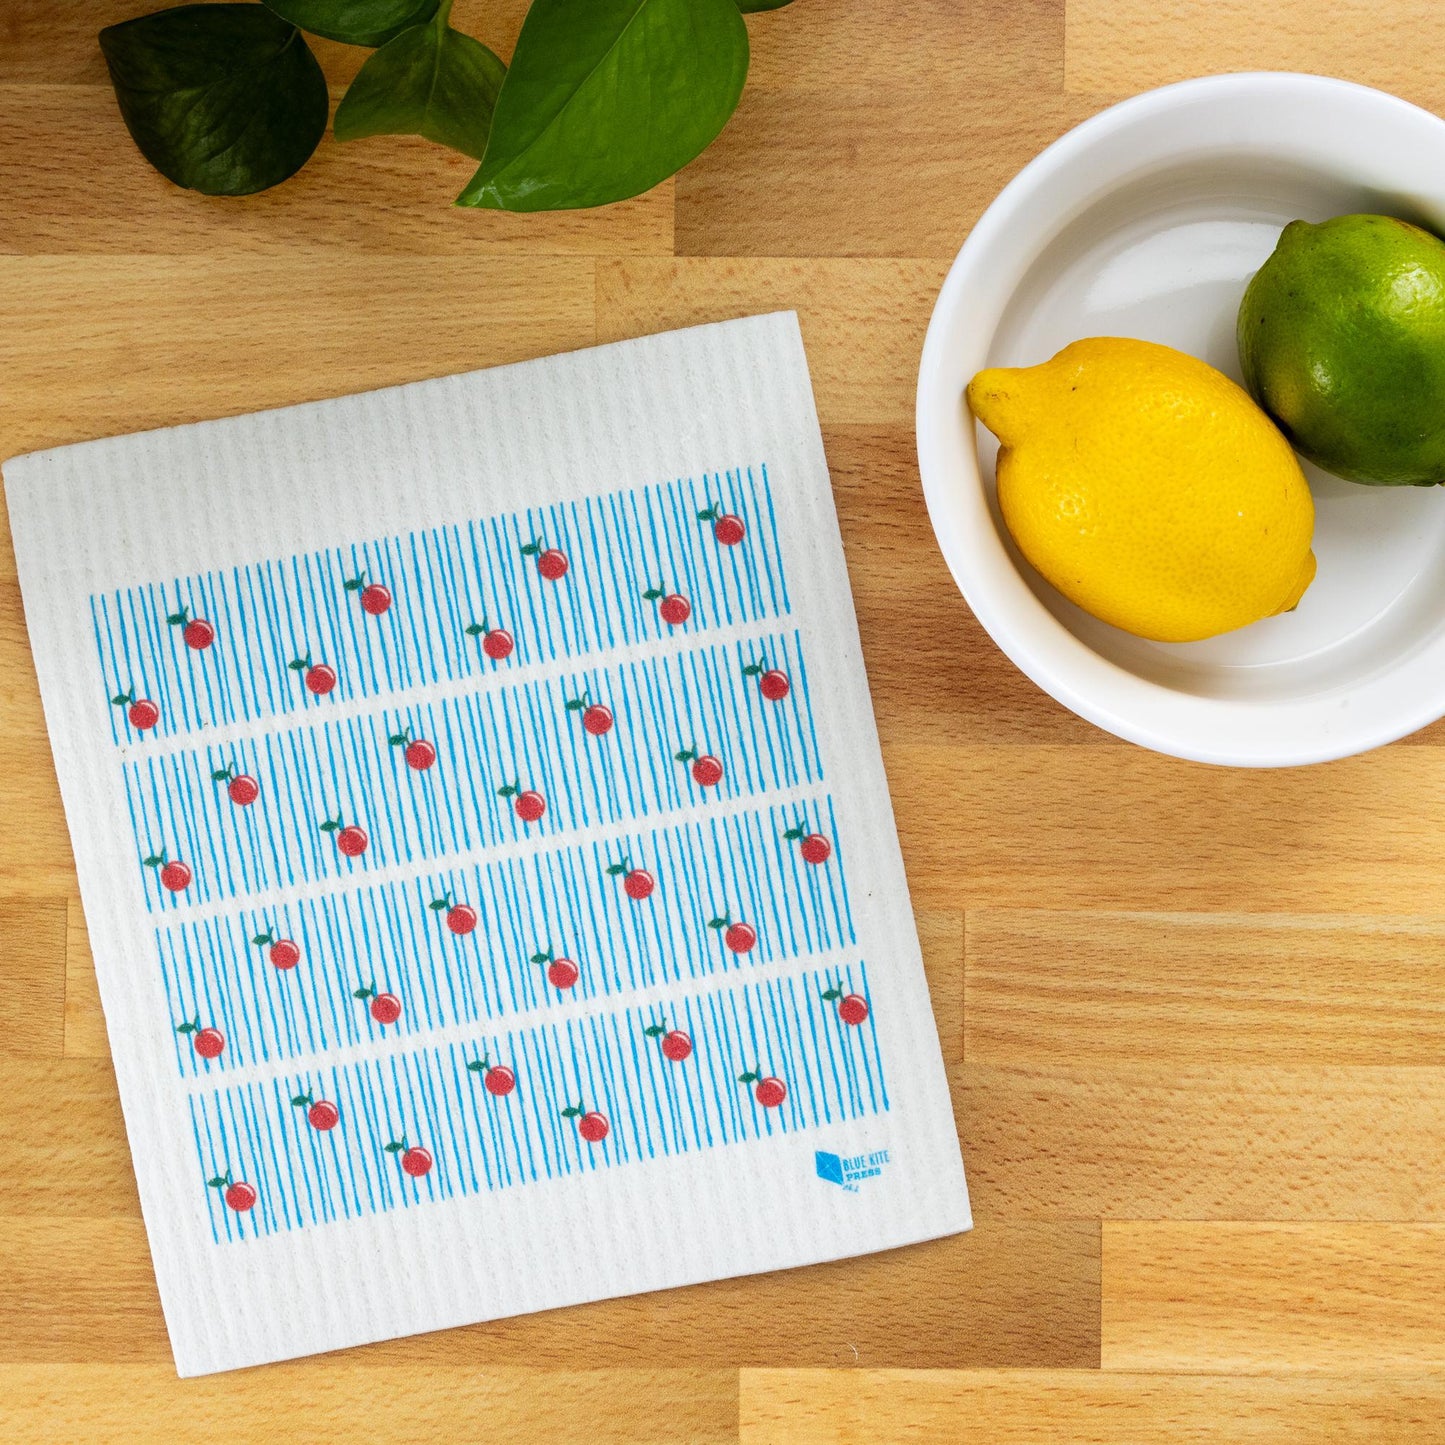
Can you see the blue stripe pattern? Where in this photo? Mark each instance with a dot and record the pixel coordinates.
(525, 736)
(561, 901)
(267, 614)
(480, 1142)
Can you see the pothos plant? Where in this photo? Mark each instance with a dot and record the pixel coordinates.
(603, 98)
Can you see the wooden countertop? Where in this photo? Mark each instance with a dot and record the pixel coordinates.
(1195, 1019)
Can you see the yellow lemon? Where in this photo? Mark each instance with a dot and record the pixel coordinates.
(1149, 488)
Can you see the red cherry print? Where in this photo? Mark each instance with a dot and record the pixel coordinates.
(461, 917)
(706, 770)
(241, 788)
(385, 1008)
(739, 937)
(527, 804)
(419, 753)
(210, 1043)
(241, 1196)
(282, 952)
(852, 1007)
(672, 607)
(318, 676)
(351, 840)
(814, 847)
(497, 643)
(238, 1195)
(175, 875)
(637, 883)
(676, 1045)
(498, 1078)
(321, 1114)
(415, 1160)
(563, 973)
(551, 563)
(141, 713)
(591, 1125)
(726, 527)
(768, 1091)
(375, 599)
(596, 719)
(207, 1042)
(772, 683)
(196, 632)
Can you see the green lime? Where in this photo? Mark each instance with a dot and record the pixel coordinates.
(1342, 340)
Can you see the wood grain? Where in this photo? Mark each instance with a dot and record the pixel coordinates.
(342, 1401)
(1237, 1297)
(1121, 46)
(1057, 987)
(1194, 1020)
(1231, 1142)
(1024, 1407)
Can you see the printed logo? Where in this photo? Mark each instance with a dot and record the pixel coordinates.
(848, 1170)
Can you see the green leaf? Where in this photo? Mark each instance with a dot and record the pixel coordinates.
(474, 629)
(297, 666)
(218, 1182)
(221, 775)
(396, 739)
(330, 827)
(430, 81)
(355, 22)
(154, 861)
(301, 1100)
(262, 939)
(717, 922)
(476, 1066)
(605, 98)
(221, 99)
(395, 1148)
(437, 904)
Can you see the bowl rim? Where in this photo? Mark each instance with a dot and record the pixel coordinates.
(1042, 647)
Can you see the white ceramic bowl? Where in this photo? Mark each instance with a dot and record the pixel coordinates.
(1147, 221)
